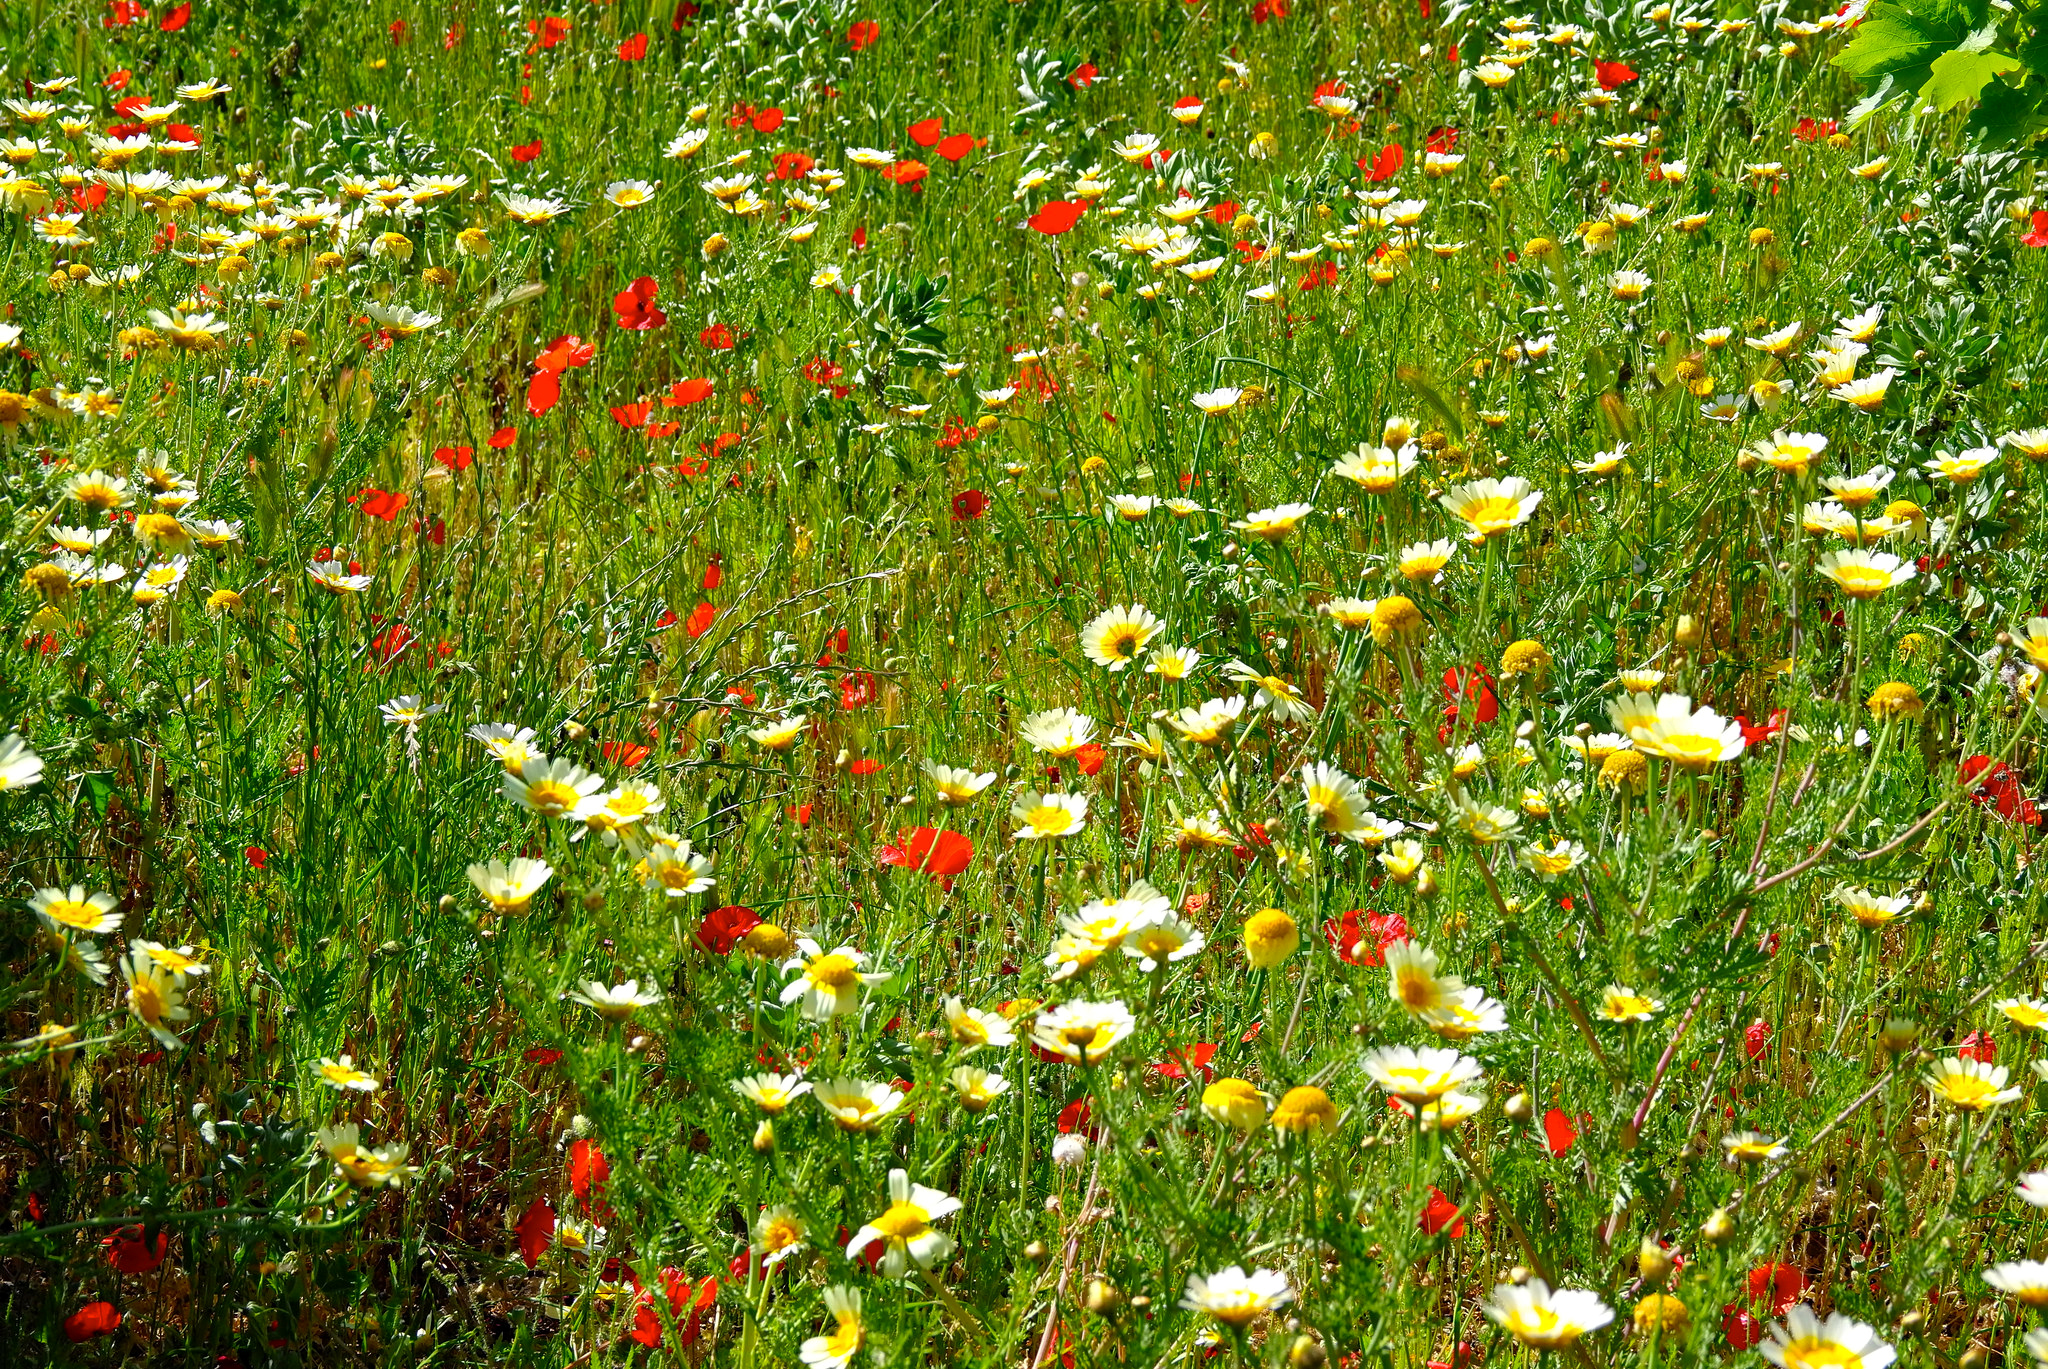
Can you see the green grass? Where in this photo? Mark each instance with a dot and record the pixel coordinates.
(814, 502)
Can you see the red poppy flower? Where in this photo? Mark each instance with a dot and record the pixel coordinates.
(2039, 223)
(93, 1319)
(176, 19)
(717, 338)
(625, 754)
(380, 504)
(957, 146)
(566, 352)
(393, 642)
(116, 80)
(793, 166)
(536, 1231)
(1076, 1117)
(1441, 1213)
(723, 928)
(1362, 936)
(455, 458)
(130, 1251)
(1781, 1281)
(856, 689)
(1756, 1039)
(864, 34)
(1613, 74)
(1442, 140)
(542, 392)
(503, 438)
(686, 11)
(634, 48)
(926, 132)
(687, 392)
(907, 171)
(1083, 76)
(1810, 130)
(700, 620)
(969, 505)
(1558, 1131)
(547, 32)
(1385, 164)
(683, 1294)
(768, 120)
(1185, 1064)
(634, 306)
(1269, 9)
(1977, 1046)
(257, 857)
(1744, 1331)
(941, 855)
(1475, 684)
(541, 1055)
(588, 1171)
(526, 152)
(1058, 217)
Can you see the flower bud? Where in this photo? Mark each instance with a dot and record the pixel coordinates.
(1718, 1228)
(1519, 1108)
(1306, 1353)
(1102, 1298)
(1653, 1262)
(764, 1137)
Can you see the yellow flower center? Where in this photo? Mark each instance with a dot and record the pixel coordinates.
(845, 1340)
(832, 971)
(903, 1221)
(146, 999)
(1815, 1353)
(1495, 513)
(70, 912)
(552, 797)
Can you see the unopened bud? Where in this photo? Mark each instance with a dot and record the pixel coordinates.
(1102, 1298)
(574, 730)
(1519, 1108)
(1688, 631)
(1718, 1228)
(1898, 1035)
(1519, 1274)
(1653, 1262)
(1306, 1353)
(764, 1136)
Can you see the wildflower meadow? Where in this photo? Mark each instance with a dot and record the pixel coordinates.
(842, 684)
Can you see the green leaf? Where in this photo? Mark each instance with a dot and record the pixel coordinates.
(1902, 39)
(1958, 77)
(2009, 116)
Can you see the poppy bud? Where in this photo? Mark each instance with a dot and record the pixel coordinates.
(1718, 1228)
(1103, 1298)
